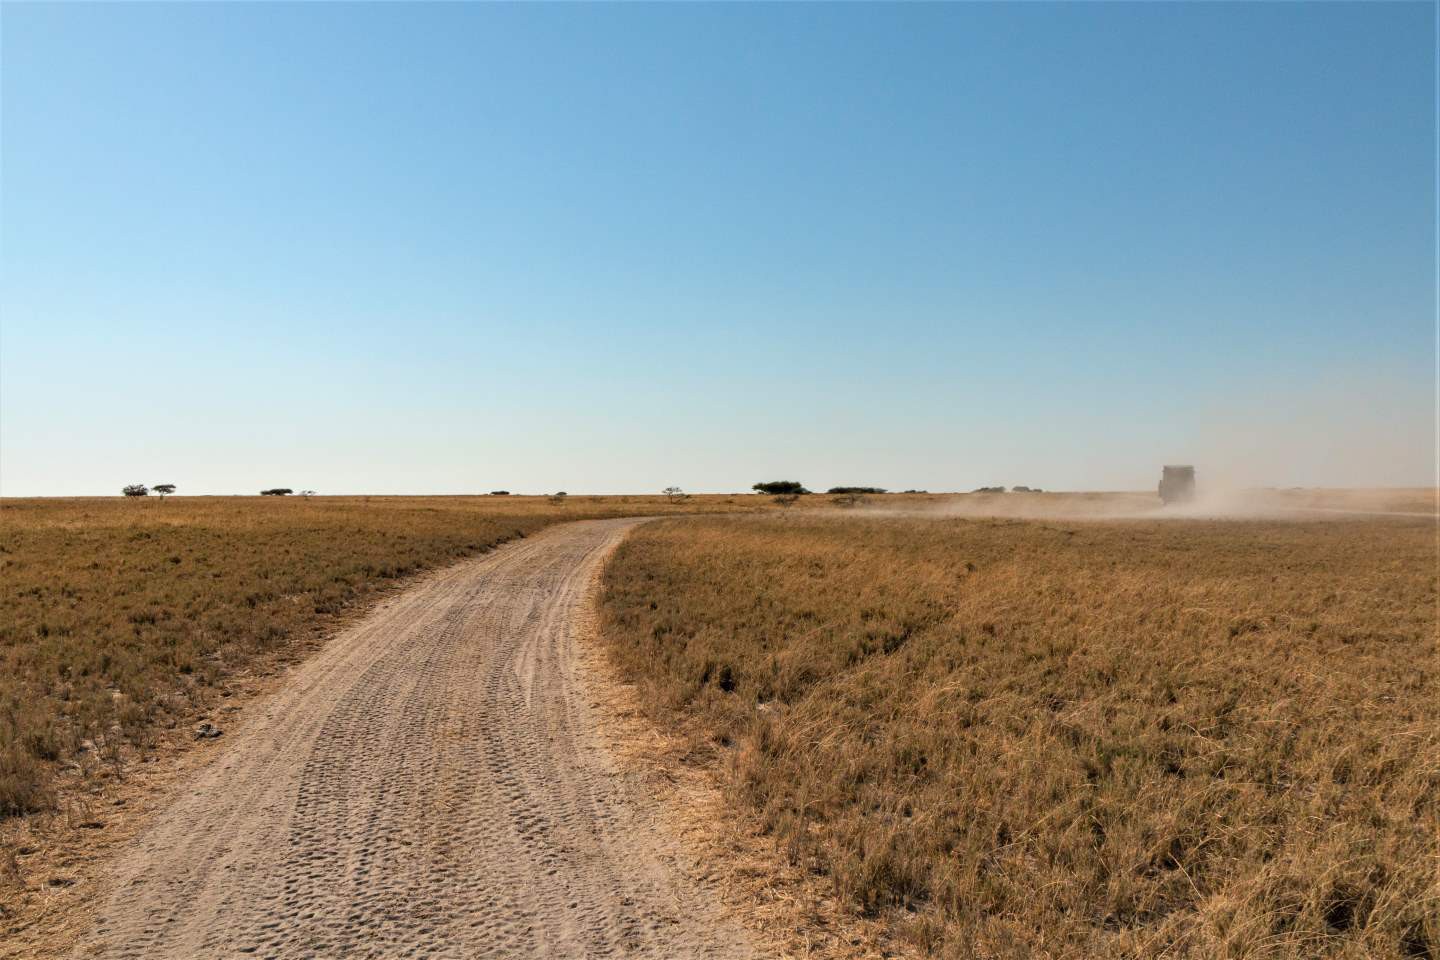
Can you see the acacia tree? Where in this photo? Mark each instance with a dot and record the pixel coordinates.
(675, 494)
(781, 487)
(164, 489)
(136, 490)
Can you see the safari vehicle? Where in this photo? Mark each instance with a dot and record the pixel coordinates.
(1177, 484)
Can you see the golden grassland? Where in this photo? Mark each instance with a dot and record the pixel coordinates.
(1066, 738)
(120, 619)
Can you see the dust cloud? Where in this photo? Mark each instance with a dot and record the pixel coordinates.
(1209, 503)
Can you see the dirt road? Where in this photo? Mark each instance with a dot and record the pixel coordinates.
(432, 784)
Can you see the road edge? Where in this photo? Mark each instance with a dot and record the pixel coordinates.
(790, 912)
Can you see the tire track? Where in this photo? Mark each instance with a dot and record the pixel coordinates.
(432, 784)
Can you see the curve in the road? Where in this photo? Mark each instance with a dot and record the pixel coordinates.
(431, 784)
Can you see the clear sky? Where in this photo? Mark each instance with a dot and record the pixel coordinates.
(451, 248)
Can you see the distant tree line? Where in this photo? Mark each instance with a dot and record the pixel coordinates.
(781, 488)
(163, 490)
(856, 490)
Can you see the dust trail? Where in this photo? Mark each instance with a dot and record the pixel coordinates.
(1213, 503)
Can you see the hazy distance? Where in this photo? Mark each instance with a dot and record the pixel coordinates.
(449, 249)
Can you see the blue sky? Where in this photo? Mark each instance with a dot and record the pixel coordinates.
(450, 248)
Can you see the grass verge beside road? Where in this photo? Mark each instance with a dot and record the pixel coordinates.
(1064, 738)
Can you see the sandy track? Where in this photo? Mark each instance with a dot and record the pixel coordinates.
(432, 784)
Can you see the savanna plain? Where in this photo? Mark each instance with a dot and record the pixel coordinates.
(1081, 729)
(128, 624)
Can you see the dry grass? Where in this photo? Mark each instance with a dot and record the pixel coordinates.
(122, 619)
(1066, 739)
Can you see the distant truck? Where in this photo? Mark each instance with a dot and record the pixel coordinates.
(1177, 484)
